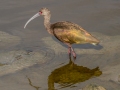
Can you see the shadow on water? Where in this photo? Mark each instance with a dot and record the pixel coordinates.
(70, 74)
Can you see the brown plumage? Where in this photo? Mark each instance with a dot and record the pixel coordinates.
(67, 32)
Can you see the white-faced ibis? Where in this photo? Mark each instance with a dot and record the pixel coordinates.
(67, 32)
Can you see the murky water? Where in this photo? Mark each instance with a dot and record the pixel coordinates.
(35, 60)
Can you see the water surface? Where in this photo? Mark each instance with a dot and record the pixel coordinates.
(27, 72)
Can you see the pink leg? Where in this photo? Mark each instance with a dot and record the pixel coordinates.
(73, 52)
(69, 52)
(71, 49)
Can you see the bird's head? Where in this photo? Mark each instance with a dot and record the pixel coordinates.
(43, 11)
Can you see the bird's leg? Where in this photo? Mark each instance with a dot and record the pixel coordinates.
(69, 52)
(73, 53)
(69, 49)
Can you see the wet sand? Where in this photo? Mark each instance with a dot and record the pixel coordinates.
(30, 57)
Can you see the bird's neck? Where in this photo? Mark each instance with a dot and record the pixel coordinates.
(47, 23)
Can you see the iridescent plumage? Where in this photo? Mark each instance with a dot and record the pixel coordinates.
(67, 32)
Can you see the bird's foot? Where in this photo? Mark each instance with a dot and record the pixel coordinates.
(74, 58)
(74, 55)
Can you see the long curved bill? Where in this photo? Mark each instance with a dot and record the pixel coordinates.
(36, 15)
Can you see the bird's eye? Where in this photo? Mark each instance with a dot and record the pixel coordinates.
(40, 12)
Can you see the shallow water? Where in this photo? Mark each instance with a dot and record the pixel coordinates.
(38, 57)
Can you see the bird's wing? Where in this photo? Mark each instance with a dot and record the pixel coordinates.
(71, 33)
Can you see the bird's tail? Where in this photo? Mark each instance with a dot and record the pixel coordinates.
(95, 44)
(93, 40)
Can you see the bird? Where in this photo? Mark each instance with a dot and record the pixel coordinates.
(65, 31)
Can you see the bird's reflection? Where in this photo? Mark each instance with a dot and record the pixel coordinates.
(70, 74)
